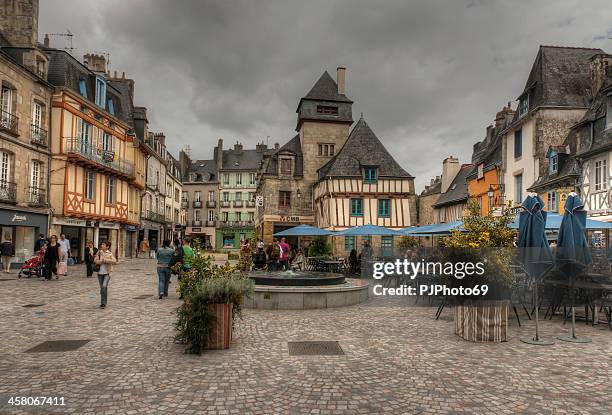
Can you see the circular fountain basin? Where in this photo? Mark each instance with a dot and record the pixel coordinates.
(296, 278)
(299, 290)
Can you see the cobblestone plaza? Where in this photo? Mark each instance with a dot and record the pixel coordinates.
(397, 358)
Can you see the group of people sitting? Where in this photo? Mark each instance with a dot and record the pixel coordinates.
(277, 256)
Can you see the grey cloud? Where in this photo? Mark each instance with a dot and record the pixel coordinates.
(428, 75)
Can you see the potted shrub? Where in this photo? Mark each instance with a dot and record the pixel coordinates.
(213, 298)
(488, 240)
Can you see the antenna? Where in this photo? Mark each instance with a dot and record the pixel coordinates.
(68, 36)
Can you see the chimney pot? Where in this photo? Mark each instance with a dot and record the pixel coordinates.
(276, 146)
(340, 78)
(47, 41)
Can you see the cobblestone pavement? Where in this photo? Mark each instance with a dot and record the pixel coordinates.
(398, 358)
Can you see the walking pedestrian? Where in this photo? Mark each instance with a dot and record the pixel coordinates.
(143, 248)
(188, 254)
(105, 259)
(52, 255)
(283, 260)
(273, 252)
(8, 251)
(164, 273)
(64, 248)
(90, 256)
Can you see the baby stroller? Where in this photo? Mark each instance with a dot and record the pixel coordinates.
(32, 267)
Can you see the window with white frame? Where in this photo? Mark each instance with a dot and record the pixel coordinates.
(225, 216)
(110, 190)
(552, 203)
(211, 215)
(197, 215)
(553, 163)
(211, 195)
(35, 176)
(523, 107)
(239, 179)
(197, 196)
(100, 92)
(90, 185)
(601, 174)
(6, 97)
(5, 167)
(37, 116)
(226, 196)
(252, 178)
(518, 188)
(225, 179)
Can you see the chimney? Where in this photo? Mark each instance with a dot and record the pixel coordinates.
(238, 147)
(261, 147)
(218, 156)
(161, 137)
(504, 117)
(276, 146)
(19, 22)
(96, 63)
(340, 78)
(450, 168)
(47, 42)
(601, 72)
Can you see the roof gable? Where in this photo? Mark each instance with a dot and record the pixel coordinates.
(326, 89)
(362, 148)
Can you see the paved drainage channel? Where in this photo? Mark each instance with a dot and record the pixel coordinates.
(58, 346)
(142, 297)
(32, 305)
(315, 348)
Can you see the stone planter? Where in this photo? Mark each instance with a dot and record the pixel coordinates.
(485, 321)
(221, 333)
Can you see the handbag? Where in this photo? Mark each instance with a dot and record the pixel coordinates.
(95, 267)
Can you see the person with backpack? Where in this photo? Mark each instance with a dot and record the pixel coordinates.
(164, 258)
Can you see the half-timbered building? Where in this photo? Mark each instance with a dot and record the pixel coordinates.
(361, 185)
(93, 154)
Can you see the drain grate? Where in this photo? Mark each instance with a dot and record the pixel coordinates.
(142, 297)
(32, 305)
(312, 348)
(58, 346)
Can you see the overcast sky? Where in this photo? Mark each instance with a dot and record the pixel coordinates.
(429, 76)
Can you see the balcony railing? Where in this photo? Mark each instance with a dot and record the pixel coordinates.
(225, 203)
(8, 192)
(38, 135)
(210, 223)
(37, 196)
(154, 216)
(250, 203)
(185, 203)
(237, 203)
(85, 150)
(196, 223)
(197, 203)
(211, 204)
(9, 122)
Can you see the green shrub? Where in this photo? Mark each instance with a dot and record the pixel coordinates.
(319, 247)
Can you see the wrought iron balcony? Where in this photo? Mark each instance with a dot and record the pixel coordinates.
(211, 204)
(154, 216)
(38, 135)
(37, 197)
(197, 203)
(197, 223)
(225, 203)
(185, 203)
(210, 223)
(250, 203)
(8, 192)
(82, 150)
(9, 122)
(237, 203)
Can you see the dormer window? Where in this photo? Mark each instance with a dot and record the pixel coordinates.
(100, 92)
(83, 87)
(523, 107)
(370, 174)
(327, 110)
(553, 163)
(110, 107)
(286, 166)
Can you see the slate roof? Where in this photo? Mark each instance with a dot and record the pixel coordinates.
(458, 189)
(560, 76)
(568, 167)
(293, 147)
(65, 72)
(362, 148)
(326, 89)
(240, 160)
(205, 171)
(432, 189)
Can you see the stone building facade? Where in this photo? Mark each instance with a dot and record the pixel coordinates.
(428, 197)
(24, 124)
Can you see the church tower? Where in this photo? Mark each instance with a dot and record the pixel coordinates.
(323, 122)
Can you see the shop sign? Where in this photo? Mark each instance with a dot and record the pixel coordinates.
(289, 218)
(196, 230)
(109, 225)
(69, 222)
(131, 228)
(19, 218)
(259, 201)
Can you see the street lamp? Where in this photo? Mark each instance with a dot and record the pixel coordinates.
(490, 193)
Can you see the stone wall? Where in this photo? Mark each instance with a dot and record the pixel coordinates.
(19, 21)
(426, 210)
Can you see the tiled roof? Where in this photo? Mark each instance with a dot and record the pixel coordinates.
(458, 190)
(326, 89)
(362, 148)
